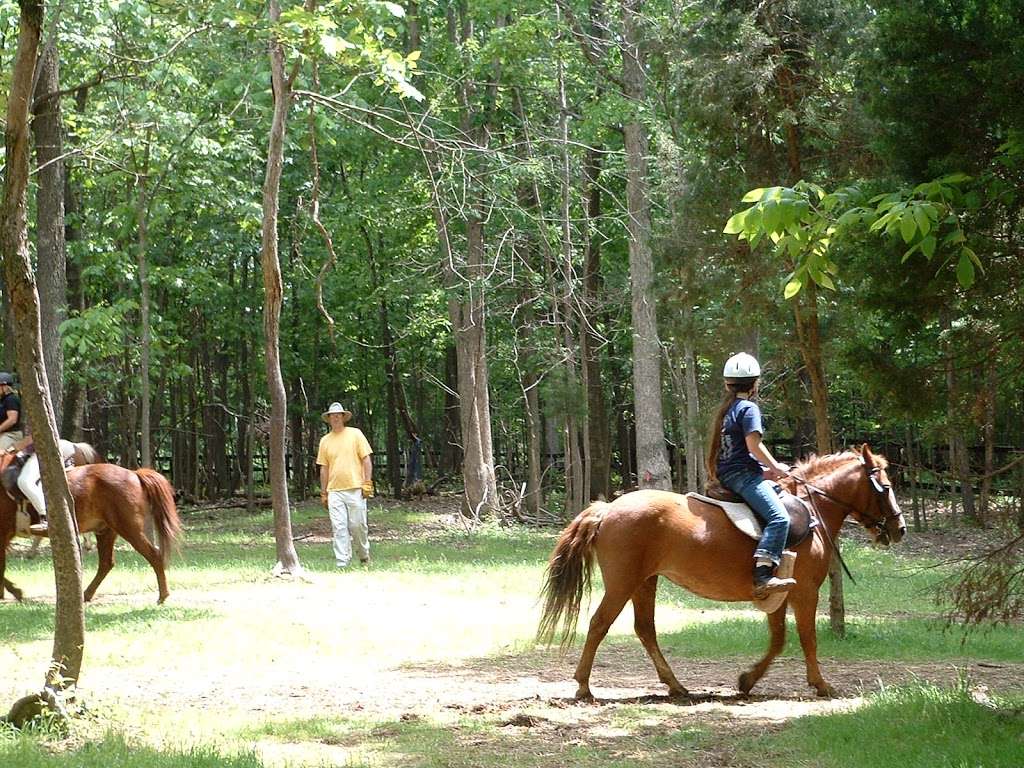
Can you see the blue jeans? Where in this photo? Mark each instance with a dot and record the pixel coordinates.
(760, 494)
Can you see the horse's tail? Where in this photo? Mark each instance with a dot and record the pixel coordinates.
(568, 575)
(160, 496)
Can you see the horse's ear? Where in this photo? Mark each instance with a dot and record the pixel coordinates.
(865, 453)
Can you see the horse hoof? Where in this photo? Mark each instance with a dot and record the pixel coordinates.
(584, 696)
(825, 691)
(746, 683)
(678, 693)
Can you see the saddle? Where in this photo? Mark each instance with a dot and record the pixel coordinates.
(9, 474)
(801, 521)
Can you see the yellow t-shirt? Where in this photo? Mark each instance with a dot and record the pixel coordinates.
(343, 453)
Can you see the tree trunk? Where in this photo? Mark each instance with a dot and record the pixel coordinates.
(145, 326)
(69, 625)
(959, 461)
(467, 318)
(989, 435)
(652, 461)
(451, 450)
(809, 336)
(696, 472)
(287, 557)
(74, 389)
(50, 245)
(598, 432)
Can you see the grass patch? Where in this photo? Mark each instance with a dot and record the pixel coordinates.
(919, 726)
(617, 737)
(22, 751)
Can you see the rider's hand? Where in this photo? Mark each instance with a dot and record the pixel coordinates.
(777, 472)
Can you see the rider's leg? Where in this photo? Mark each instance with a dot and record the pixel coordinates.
(760, 494)
(28, 484)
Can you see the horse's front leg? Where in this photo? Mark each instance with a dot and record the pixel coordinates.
(776, 640)
(805, 611)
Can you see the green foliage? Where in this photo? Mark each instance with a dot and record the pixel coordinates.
(917, 726)
(805, 221)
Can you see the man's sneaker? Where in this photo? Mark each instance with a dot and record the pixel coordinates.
(39, 529)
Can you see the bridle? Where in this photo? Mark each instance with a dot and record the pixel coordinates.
(881, 492)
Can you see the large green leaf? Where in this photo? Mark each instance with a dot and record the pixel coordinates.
(965, 270)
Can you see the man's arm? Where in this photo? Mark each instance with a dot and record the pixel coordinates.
(323, 483)
(367, 468)
(10, 421)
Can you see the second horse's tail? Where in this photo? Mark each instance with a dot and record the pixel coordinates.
(568, 575)
(161, 505)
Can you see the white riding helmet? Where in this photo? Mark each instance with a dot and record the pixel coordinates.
(741, 366)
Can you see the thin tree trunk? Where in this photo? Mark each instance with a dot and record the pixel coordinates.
(287, 557)
(145, 323)
(959, 461)
(696, 472)
(50, 250)
(74, 393)
(69, 623)
(653, 470)
(989, 436)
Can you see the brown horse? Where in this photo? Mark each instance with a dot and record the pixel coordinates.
(646, 534)
(110, 501)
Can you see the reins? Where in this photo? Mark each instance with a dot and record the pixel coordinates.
(821, 521)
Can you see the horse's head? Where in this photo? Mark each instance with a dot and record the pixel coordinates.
(880, 515)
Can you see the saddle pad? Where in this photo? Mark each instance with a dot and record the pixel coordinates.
(801, 521)
(738, 512)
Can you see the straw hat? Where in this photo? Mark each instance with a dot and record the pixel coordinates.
(337, 408)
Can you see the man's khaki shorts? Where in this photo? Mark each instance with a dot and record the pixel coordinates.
(9, 439)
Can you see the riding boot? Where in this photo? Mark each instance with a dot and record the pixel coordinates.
(40, 528)
(766, 582)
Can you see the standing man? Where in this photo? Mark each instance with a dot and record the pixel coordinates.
(346, 482)
(11, 425)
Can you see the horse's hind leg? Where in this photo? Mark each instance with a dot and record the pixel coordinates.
(777, 639)
(805, 610)
(153, 556)
(643, 624)
(615, 597)
(4, 583)
(105, 539)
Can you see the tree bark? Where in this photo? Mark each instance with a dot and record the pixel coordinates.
(651, 458)
(480, 498)
(696, 471)
(73, 398)
(598, 432)
(145, 327)
(287, 557)
(989, 435)
(69, 625)
(51, 251)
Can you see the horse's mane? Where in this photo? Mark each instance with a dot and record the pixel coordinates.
(816, 466)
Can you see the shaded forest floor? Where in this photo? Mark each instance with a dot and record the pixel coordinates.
(425, 657)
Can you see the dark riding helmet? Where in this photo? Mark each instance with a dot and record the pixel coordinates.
(6, 378)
